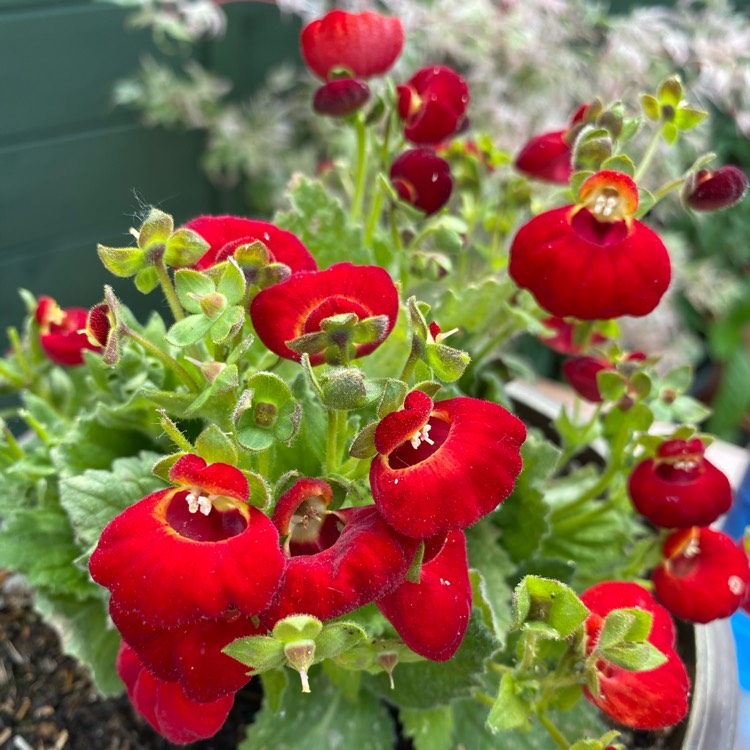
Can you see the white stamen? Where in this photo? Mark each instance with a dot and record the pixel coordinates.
(197, 502)
(692, 549)
(685, 464)
(421, 436)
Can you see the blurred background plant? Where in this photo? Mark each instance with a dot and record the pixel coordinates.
(253, 144)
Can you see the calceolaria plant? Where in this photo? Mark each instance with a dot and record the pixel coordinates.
(313, 465)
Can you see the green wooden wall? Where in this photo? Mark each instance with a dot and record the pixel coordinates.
(75, 171)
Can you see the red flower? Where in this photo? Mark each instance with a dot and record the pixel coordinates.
(711, 191)
(189, 654)
(651, 699)
(704, 575)
(563, 339)
(361, 300)
(442, 466)
(197, 550)
(432, 616)
(361, 44)
(338, 561)
(165, 706)
(432, 104)
(225, 234)
(422, 179)
(340, 97)
(62, 332)
(679, 488)
(593, 260)
(549, 156)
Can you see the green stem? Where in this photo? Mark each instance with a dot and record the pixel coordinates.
(332, 440)
(372, 221)
(168, 289)
(161, 355)
(594, 491)
(668, 187)
(648, 155)
(359, 184)
(553, 731)
(17, 348)
(11, 441)
(573, 522)
(36, 426)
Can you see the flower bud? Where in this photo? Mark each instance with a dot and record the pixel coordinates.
(711, 191)
(340, 97)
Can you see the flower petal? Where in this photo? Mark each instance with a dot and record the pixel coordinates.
(432, 616)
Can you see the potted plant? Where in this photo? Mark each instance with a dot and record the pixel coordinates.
(311, 464)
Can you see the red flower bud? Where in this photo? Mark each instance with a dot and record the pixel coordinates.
(711, 191)
(593, 260)
(704, 575)
(422, 179)
(361, 44)
(432, 616)
(225, 234)
(546, 157)
(442, 466)
(679, 488)
(650, 699)
(62, 332)
(165, 706)
(581, 373)
(432, 104)
(340, 97)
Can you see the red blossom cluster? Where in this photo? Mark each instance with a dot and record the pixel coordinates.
(195, 566)
(704, 574)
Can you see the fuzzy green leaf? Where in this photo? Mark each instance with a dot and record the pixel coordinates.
(189, 330)
(184, 248)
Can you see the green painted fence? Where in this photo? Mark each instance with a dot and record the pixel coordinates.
(75, 171)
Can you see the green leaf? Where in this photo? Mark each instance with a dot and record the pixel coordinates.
(620, 163)
(321, 720)
(146, 280)
(94, 497)
(336, 638)
(429, 684)
(86, 633)
(510, 710)
(228, 323)
(190, 284)
(612, 385)
(670, 91)
(213, 446)
(625, 625)
(184, 248)
(157, 228)
(542, 600)
(232, 283)
(38, 542)
(670, 133)
(122, 261)
(686, 118)
(688, 409)
(259, 652)
(319, 220)
(275, 683)
(637, 657)
(189, 330)
(430, 729)
(491, 566)
(364, 444)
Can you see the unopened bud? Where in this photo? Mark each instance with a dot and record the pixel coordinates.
(711, 191)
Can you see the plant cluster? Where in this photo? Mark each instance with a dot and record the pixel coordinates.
(299, 472)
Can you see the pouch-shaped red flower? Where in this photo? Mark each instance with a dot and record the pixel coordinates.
(442, 466)
(197, 550)
(361, 45)
(651, 699)
(432, 616)
(679, 487)
(432, 104)
(225, 234)
(62, 332)
(165, 706)
(346, 307)
(704, 575)
(593, 261)
(423, 179)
